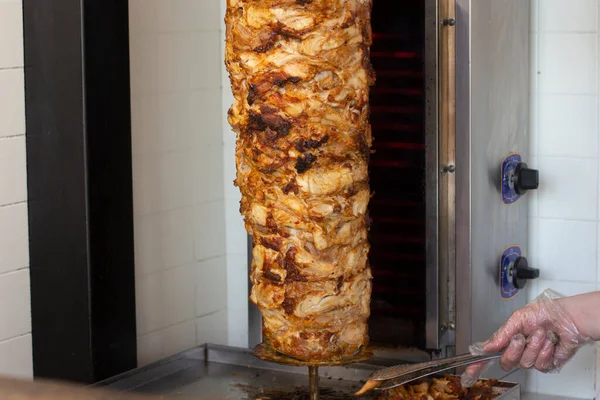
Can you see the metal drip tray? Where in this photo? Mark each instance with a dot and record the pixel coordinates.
(218, 372)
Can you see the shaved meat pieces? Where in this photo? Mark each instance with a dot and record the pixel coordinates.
(300, 73)
(447, 388)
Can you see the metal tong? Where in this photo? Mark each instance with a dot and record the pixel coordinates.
(399, 375)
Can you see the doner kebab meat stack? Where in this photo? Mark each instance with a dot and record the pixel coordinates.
(300, 73)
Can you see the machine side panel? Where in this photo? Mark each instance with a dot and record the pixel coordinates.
(499, 126)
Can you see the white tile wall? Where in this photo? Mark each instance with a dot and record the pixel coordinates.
(14, 249)
(165, 298)
(165, 342)
(210, 230)
(557, 247)
(564, 229)
(578, 75)
(16, 358)
(181, 266)
(571, 16)
(563, 193)
(236, 239)
(13, 166)
(237, 298)
(12, 112)
(188, 15)
(11, 39)
(211, 296)
(177, 227)
(569, 113)
(15, 308)
(14, 313)
(212, 328)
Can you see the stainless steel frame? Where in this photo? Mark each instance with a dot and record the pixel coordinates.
(492, 122)
(447, 175)
(463, 176)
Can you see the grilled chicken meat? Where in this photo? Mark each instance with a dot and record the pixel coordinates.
(300, 73)
(447, 388)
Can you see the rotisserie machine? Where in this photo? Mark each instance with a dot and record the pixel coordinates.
(450, 120)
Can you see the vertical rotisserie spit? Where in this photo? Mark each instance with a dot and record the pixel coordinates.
(300, 73)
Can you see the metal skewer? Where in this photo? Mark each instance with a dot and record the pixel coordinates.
(265, 352)
(313, 382)
(399, 375)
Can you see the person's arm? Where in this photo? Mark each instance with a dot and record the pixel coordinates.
(544, 334)
(584, 309)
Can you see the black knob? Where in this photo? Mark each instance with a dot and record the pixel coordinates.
(525, 179)
(521, 272)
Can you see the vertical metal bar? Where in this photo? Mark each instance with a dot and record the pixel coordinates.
(313, 383)
(463, 175)
(254, 315)
(431, 174)
(447, 256)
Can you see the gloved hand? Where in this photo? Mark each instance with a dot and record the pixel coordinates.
(541, 335)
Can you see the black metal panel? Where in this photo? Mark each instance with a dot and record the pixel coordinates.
(80, 188)
(108, 126)
(397, 175)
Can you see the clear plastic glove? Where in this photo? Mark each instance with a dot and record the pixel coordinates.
(541, 335)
